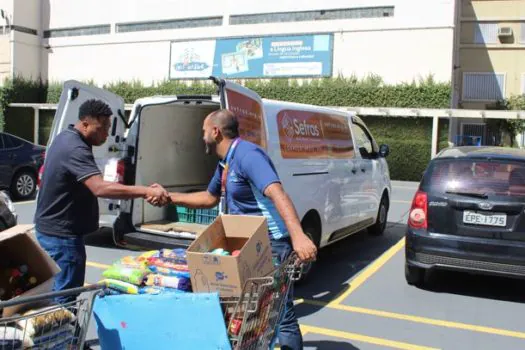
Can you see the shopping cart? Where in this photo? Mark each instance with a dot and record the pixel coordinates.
(253, 318)
(42, 324)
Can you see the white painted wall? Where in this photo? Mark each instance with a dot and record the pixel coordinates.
(26, 13)
(395, 55)
(147, 62)
(415, 42)
(26, 55)
(66, 13)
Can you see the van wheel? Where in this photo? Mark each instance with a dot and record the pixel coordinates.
(23, 185)
(382, 215)
(311, 232)
(414, 275)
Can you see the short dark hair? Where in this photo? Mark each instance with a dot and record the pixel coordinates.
(227, 122)
(94, 108)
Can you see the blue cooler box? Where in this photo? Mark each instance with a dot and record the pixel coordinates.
(166, 321)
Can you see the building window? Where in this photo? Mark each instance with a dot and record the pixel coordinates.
(483, 86)
(170, 24)
(78, 31)
(522, 35)
(486, 33)
(318, 15)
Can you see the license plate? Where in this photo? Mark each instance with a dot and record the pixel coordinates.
(496, 219)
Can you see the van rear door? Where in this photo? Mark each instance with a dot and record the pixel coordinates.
(247, 106)
(73, 95)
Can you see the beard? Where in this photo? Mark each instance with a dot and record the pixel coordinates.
(209, 148)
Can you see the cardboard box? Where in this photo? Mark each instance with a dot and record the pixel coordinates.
(228, 274)
(18, 246)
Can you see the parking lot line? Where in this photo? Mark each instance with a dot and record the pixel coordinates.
(386, 314)
(368, 272)
(25, 202)
(417, 319)
(97, 265)
(362, 338)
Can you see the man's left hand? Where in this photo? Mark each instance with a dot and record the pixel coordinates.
(304, 247)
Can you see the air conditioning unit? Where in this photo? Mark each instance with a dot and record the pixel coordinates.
(504, 31)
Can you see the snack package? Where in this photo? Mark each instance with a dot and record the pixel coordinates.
(14, 338)
(161, 263)
(63, 333)
(169, 272)
(149, 254)
(121, 286)
(129, 261)
(166, 281)
(175, 256)
(47, 319)
(155, 290)
(126, 274)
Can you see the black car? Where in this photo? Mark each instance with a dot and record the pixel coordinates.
(468, 214)
(20, 161)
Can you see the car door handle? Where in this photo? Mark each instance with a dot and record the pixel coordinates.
(354, 171)
(363, 170)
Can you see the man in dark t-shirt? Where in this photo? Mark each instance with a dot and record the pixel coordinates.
(67, 206)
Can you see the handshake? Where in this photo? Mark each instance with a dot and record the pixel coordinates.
(157, 195)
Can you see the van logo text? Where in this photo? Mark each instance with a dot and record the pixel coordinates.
(293, 127)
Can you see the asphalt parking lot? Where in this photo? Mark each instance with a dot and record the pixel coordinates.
(357, 297)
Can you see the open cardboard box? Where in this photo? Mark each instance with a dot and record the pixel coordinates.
(19, 247)
(228, 274)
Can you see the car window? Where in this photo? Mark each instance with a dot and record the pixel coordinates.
(362, 139)
(1, 142)
(11, 142)
(484, 177)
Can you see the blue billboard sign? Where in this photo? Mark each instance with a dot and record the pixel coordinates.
(261, 57)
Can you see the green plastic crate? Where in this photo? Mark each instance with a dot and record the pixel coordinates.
(206, 216)
(193, 216)
(184, 214)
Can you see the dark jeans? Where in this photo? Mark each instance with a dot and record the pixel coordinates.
(70, 256)
(290, 337)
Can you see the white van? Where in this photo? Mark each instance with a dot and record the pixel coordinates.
(329, 163)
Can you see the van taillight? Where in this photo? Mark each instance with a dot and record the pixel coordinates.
(121, 169)
(417, 218)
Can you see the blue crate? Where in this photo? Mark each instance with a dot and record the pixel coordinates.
(206, 216)
(193, 216)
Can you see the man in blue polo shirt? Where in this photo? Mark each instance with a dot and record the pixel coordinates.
(67, 206)
(252, 187)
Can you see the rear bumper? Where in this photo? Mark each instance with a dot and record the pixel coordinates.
(488, 256)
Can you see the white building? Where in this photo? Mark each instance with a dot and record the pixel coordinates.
(152, 40)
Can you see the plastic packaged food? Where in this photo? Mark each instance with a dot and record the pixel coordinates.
(126, 274)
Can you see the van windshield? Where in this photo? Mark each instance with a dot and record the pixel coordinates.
(475, 178)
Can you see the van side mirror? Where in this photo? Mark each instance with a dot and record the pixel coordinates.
(384, 151)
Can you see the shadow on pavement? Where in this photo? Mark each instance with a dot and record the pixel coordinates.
(479, 286)
(339, 262)
(328, 345)
(103, 239)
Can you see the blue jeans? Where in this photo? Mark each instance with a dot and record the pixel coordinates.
(70, 255)
(290, 337)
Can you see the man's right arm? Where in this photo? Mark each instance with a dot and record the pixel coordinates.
(112, 190)
(81, 164)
